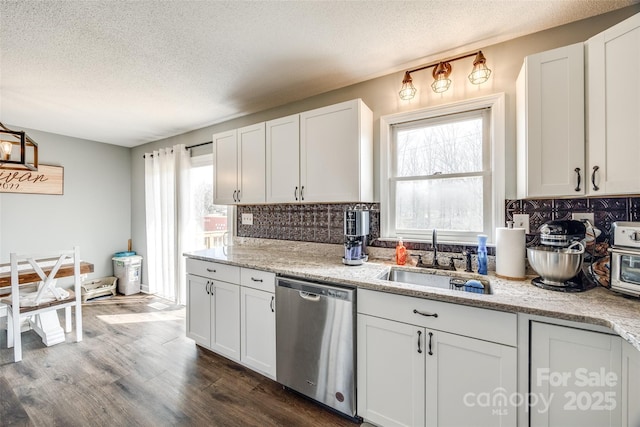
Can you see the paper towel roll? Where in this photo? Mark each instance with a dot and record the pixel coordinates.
(510, 253)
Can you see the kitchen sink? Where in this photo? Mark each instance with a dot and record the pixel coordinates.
(436, 281)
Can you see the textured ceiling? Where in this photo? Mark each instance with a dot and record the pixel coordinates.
(131, 72)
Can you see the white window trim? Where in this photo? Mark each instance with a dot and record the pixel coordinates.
(496, 103)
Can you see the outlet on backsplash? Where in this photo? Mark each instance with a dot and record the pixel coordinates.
(247, 219)
(521, 221)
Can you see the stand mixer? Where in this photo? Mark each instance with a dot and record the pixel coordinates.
(558, 260)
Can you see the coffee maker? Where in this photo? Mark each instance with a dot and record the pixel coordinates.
(356, 230)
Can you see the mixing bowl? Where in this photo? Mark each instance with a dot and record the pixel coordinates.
(556, 265)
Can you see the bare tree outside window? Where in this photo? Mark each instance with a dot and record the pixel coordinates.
(440, 174)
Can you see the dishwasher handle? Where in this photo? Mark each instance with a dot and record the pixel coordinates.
(309, 296)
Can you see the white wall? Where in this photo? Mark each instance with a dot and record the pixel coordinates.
(94, 212)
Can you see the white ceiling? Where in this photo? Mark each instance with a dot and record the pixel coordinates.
(131, 72)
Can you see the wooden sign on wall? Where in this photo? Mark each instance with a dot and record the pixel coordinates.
(46, 180)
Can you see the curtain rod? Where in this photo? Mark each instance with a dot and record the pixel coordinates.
(186, 148)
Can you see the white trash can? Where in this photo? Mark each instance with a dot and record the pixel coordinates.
(128, 270)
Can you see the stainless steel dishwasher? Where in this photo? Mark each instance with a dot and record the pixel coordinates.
(315, 334)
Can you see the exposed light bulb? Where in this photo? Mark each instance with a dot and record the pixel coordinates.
(480, 72)
(441, 77)
(6, 147)
(407, 91)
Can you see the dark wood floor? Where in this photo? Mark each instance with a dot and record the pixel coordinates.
(135, 367)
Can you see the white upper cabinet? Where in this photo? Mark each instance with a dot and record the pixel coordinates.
(613, 92)
(336, 153)
(251, 164)
(283, 159)
(239, 158)
(550, 122)
(225, 153)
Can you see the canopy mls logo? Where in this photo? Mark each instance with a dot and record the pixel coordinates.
(589, 391)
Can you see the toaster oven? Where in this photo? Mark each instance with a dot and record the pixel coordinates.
(625, 258)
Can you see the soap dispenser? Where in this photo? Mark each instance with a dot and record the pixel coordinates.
(401, 253)
(482, 254)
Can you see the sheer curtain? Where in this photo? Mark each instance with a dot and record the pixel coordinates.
(167, 216)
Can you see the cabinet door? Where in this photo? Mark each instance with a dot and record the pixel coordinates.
(225, 320)
(283, 160)
(550, 111)
(469, 381)
(333, 155)
(198, 310)
(630, 385)
(251, 164)
(614, 108)
(258, 329)
(390, 372)
(225, 160)
(574, 377)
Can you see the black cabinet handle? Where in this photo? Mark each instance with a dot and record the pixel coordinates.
(422, 313)
(256, 280)
(302, 193)
(419, 336)
(234, 195)
(207, 287)
(577, 171)
(273, 299)
(238, 196)
(593, 178)
(211, 270)
(295, 193)
(430, 339)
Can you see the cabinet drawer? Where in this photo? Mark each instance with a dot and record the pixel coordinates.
(213, 270)
(484, 324)
(258, 279)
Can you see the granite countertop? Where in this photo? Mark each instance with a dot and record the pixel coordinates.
(316, 261)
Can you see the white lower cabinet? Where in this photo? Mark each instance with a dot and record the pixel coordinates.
(225, 319)
(575, 377)
(198, 310)
(469, 381)
(416, 375)
(213, 315)
(258, 330)
(630, 385)
(231, 310)
(390, 373)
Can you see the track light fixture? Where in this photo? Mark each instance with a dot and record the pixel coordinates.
(441, 71)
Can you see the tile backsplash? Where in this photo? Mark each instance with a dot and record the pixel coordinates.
(605, 211)
(319, 222)
(323, 222)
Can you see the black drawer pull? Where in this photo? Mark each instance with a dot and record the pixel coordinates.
(430, 338)
(422, 313)
(273, 299)
(257, 280)
(211, 270)
(419, 336)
